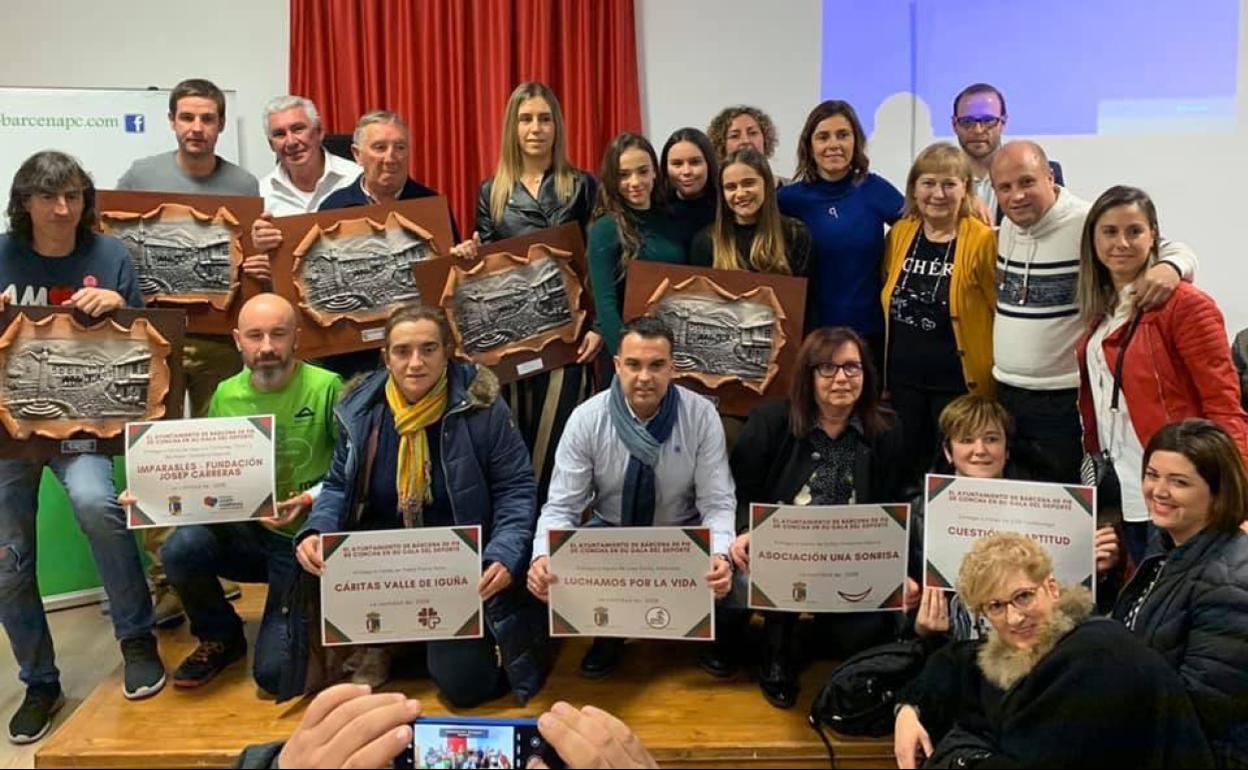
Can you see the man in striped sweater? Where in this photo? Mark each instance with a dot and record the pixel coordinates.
(1037, 323)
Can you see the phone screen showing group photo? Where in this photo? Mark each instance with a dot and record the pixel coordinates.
(474, 744)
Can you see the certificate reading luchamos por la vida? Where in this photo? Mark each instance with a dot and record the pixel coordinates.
(960, 510)
(206, 471)
(632, 582)
(828, 558)
(402, 585)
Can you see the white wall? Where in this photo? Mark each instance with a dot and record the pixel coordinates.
(698, 56)
(241, 45)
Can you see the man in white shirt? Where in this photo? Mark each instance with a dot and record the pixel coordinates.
(645, 452)
(306, 173)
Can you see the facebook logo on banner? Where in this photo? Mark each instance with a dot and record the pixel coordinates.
(135, 124)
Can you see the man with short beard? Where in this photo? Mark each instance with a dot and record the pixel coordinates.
(979, 119)
(301, 397)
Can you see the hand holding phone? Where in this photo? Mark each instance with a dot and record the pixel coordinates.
(590, 737)
(349, 726)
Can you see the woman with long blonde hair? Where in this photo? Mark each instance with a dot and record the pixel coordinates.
(535, 187)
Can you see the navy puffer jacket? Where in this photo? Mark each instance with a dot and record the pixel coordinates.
(1196, 616)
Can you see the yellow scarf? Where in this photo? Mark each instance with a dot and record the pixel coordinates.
(415, 466)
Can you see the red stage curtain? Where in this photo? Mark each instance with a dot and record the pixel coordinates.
(448, 66)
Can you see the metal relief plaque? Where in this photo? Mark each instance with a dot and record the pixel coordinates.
(358, 268)
(181, 254)
(736, 332)
(59, 378)
(508, 303)
(721, 336)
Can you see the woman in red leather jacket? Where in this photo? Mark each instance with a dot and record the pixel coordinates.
(1175, 360)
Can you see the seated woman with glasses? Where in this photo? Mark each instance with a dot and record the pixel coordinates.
(1050, 686)
(830, 443)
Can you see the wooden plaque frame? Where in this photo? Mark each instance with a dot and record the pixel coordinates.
(345, 335)
(171, 324)
(515, 363)
(733, 397)
(201, 316)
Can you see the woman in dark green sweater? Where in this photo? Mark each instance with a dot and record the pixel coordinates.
(632, 222)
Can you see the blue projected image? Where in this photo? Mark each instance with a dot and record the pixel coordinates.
(1067, 67)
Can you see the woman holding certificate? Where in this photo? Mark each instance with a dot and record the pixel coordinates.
(830, 443)
(976, 436)
(427, 442)
(1189, 598)
(1140, 369)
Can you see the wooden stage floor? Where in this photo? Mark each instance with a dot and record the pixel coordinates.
(686, 718)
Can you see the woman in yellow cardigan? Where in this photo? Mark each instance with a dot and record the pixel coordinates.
(939, 299)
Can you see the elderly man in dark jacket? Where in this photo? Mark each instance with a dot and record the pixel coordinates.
(480, 473)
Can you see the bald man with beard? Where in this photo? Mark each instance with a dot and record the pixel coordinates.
(301, 397)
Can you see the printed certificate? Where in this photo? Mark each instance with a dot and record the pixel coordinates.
(632, 582)
(207, 471)
(960, 510)
(401, 585)
(828, 558)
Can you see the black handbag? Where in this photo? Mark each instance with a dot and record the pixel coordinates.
(861, 693)
(1097, 469)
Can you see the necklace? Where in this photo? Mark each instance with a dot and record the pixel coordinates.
(940, 275)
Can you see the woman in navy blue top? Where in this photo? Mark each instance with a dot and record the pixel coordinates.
(846, 209)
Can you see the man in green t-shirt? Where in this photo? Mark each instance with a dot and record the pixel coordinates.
(301, 397)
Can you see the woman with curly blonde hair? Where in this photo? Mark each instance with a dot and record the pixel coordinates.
(1049, 687)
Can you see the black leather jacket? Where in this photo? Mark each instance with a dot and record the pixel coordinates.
(524, 215)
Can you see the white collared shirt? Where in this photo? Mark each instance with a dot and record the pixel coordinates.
(283, 199)
(693, 483)
(1114, 429)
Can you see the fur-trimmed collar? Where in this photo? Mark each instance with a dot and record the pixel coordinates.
(1004, 664)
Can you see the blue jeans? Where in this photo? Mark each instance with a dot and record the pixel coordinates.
(88, 479)
(245, 552)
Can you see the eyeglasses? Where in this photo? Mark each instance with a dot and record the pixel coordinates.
(983, 121)
(1022, 601)
(852, 370)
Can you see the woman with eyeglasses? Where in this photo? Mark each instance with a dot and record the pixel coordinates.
(831, 443)
(1048, 687)
(1189, 598)
(939, 299)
